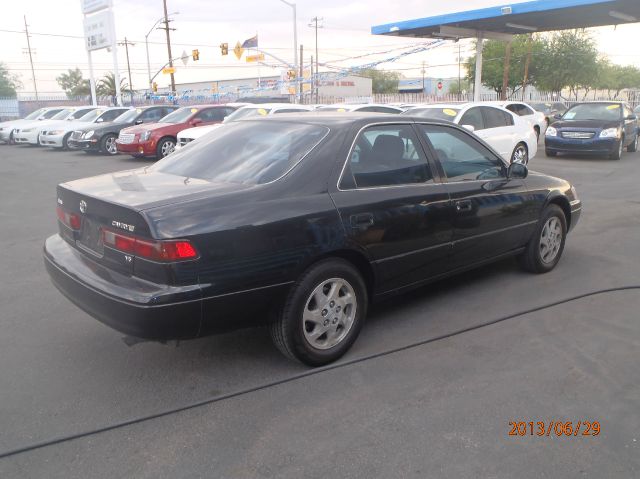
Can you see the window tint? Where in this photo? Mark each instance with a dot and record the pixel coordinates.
(462, 157)
(152, 114)
(493, 118)
(289, 110)
(111, 115)
(437, 113)
(384, 109)
(249, 152)
(519, 109)
(508, 118)
(212, 114)
(384, 156)
(473, 117)
(80, 113)
(48, 115)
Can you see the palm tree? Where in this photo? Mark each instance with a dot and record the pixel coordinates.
(107, 86)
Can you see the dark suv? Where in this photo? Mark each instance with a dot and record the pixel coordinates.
(103, 138)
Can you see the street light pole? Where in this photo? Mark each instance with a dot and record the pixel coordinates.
(316, 81)
(146, 43)
(295, 46)
(166, 29)
(126, 44)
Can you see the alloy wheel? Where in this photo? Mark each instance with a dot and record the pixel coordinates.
(110, 145)
(520, 155)
(550, 240)
(167, 147)
(329, 313)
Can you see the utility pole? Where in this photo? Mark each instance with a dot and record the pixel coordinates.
(166, 29)
(33, 73)
(459, 87)
(423, 71)
(126, 44)
(314, 23)
(312, 81)
(505, 72)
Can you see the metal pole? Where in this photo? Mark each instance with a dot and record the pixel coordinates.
(146, 43)
(114, 56)
(92, 81)
(459, 87)
(166, 29)
(478, 77)
(317, 65)
(126, 48)
(301, 75)
(33, 73)
(295, 47)
(312, 81)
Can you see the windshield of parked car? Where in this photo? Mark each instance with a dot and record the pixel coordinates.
(432, 113)
(34, 115)
(541, 106)
(62, 114)
(91, 116)
(248, 152)
(331, 108)
(179, 116)
(247, 113)
(128, 116)
(594, 111)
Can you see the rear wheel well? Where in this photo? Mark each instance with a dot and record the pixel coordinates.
(563, 203)
(358, 260)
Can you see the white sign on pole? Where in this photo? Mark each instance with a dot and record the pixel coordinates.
(91, 6)
(98, 31)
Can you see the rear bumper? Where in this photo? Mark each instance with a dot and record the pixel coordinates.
(132, 306)
(594, 146)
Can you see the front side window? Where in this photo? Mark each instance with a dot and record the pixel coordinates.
(211, 114)
(80, 113)
(111, 115)
(462, 157)
(386, 155)
(473, 117)
(62, 114)
(248, 152)
(34, 115)
(51, 113)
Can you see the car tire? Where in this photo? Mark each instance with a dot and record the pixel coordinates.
(547, 242)
(165, 147)
(520, 154)
(322, 314)
(65, 142)
(108, 145)
(633, 146)
(617, 154)
(550, 153)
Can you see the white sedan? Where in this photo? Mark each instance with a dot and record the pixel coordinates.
(536, 119)
(247, 111)
(7, 127)
(507, 133)
(58, 135)
(30, 133)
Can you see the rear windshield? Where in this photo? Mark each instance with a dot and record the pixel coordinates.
(247, 113)
(594, 111)
(448, 114)
(248, 152)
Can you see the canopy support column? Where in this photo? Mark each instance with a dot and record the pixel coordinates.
(478, 79)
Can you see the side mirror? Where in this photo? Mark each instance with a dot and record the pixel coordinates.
(517, 170)
(99, 120)
(557, 116)
(471, 128)
(631, 117)
(139, 122)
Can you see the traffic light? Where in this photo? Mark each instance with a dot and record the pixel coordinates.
(224, 48)
(195, 54)
(155, 86)
(291, 74)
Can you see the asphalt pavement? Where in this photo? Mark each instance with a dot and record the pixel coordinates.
(428, 390)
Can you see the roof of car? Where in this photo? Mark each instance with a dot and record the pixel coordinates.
(275, 105)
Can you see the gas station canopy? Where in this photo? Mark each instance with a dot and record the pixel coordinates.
(502, 22)
(527, 17)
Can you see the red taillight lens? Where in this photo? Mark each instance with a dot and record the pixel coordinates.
(150, 249)
(71, 220)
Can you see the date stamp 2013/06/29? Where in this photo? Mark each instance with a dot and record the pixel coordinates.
(551, 428)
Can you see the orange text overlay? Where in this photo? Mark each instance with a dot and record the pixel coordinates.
(554, 428)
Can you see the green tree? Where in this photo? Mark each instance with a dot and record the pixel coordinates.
(453, 86)
(73, 84)
(9, 82)
(107, 85)
(494, 54)
(568, 60)
(382, 81)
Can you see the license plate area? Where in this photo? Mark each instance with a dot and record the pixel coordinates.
(91, 237)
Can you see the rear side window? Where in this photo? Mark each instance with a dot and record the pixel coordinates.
(248, 152)
(493, 118)
(385, 155)
(473, 117)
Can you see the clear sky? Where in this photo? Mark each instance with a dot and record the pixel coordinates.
(204, 24)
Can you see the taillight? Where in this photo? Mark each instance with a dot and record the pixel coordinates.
(170, 250)
(71, 220)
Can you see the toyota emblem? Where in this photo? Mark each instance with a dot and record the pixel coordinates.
(83, 206)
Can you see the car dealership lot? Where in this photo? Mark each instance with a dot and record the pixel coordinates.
(438, 409)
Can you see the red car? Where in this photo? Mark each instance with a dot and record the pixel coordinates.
(159, 139)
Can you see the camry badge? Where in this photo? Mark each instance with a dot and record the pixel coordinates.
(83, 206)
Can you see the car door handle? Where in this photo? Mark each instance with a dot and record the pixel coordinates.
(361, 220)
(464, 205)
